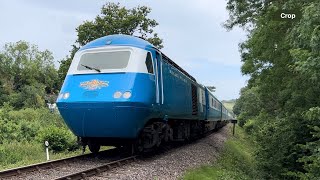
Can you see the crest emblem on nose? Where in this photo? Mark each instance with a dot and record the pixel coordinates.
(94, 84)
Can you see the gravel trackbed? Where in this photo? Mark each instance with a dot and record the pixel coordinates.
(174, 163)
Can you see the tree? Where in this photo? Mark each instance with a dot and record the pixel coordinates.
(114, 19)
(27, 74)
(247, 106)
(282, 60)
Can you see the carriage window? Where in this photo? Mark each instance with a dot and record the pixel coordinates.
(104, 60)
(149, 63)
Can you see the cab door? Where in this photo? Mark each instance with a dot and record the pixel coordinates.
(159, 80)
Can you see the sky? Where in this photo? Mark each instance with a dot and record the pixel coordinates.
(192, 32)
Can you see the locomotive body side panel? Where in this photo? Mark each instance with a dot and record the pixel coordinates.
(177, 93)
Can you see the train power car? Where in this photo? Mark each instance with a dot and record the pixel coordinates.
(121, 90)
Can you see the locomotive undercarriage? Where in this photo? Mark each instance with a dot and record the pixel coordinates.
(156, 133)
(159, 132)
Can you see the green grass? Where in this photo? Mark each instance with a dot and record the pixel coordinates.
(235, 162)
(18, 154)
(13, 155)
(23, 131)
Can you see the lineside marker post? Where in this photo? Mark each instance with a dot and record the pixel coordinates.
(234, 122)
(47, 149)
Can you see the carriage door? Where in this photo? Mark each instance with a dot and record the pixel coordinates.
(159, 82)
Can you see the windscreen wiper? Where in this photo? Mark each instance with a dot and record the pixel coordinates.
(91, 68)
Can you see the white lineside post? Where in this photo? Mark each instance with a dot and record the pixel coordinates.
(47, 149)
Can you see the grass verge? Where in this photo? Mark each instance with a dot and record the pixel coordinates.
(13, 155)
(235, 162)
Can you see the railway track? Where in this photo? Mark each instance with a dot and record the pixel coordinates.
(76, 167)
(68, 168)
(82, 166)
(97, 170)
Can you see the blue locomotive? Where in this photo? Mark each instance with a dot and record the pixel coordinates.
(121, 90)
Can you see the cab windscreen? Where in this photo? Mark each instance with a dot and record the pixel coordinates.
(104, 60)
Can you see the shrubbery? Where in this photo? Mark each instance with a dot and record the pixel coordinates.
(249, 126)
(24, 124)
(59, 139)
(26, 130)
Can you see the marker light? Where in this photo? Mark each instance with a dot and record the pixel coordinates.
(66, 95)
(117, 94)
(127, 94)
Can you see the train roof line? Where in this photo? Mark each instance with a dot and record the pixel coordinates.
(122, 39)
(176, 65)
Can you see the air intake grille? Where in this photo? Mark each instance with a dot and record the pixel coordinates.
(194, 100)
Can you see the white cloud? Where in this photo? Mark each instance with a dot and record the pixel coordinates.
(226, 88)
(192, 32)
(213, 8)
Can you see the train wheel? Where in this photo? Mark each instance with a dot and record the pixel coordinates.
(138, 146)
(94, 147)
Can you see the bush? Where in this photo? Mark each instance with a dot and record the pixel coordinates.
(25, 124)
(241, 120)
(59, 139)
(249, 126)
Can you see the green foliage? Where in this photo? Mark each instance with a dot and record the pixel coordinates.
(28, 79)
(23, 125)
(27, 75)
(59, 139)
(249, 126)
(29, 96)
(114, 19)
(28, 124)
(280, 104)
(22, 135)
(235, 162)
(15, 152)
(311, 161)
(248, 104)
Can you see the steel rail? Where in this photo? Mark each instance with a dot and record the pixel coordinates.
(97, 170)
(46, 165)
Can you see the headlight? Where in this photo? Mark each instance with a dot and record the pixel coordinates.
(127, 94)
(66, 95)
(117, 94)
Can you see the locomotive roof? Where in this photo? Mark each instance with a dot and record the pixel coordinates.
(118, 39)
(125, 40)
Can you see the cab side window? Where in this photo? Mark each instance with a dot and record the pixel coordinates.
(149, 63)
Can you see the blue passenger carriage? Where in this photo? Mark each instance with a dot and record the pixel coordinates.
(121, 90)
